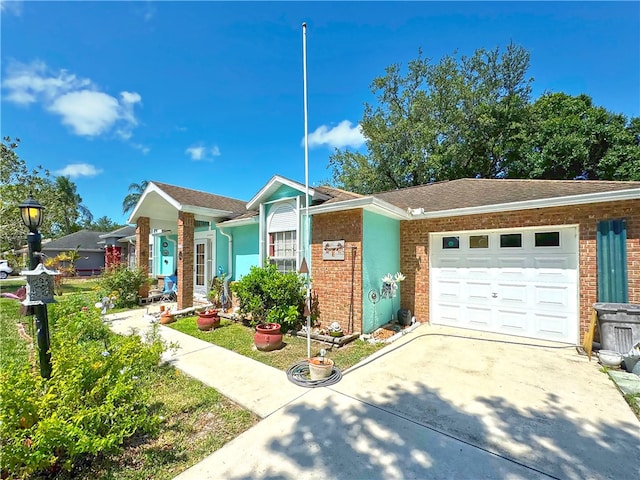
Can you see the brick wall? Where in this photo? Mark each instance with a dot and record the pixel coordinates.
(142, 251)
(332, 280)
(186, 224)
(414, 241)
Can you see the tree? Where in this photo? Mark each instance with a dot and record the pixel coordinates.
(73, 212)
(104, 224)
(18, 182)
(569, 137)
(472, 117)
(135, 192)
(457, 118)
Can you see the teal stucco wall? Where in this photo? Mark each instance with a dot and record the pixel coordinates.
(284, 192)
(380, 255)
(245, 249)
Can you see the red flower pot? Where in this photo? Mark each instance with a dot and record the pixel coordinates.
(208, 319)
(267, 337)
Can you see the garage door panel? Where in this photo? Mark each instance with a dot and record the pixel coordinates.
(449, 290)
(529, 290)
(479, 292)
(511, 262)
(512, 321)
(557, 262)
(476, 262)
(513, 294)
(552, 296)
(478, 317)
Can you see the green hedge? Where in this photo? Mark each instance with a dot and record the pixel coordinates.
(97, 395)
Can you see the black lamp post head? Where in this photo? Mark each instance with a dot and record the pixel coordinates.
(31, 213)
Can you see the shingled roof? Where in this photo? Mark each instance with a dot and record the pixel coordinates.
(86, 240)
(186, 196)
(476, 192)
(336, 194)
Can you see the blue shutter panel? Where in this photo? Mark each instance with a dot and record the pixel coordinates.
(611, 247)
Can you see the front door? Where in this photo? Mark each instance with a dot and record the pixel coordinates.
(203, 265)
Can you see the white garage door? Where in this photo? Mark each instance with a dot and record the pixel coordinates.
(518, 282)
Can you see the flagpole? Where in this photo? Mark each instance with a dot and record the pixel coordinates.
(306, 179)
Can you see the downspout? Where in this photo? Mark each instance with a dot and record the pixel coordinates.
(230, 254)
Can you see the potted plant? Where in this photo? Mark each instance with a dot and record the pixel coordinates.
(208, 319)
(268, 337)
(335, 330)
(320, 367)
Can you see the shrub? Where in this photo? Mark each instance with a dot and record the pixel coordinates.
(267, 295)
(96, 397)
(123, 283)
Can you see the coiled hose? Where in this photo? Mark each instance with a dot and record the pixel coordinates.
(298, 373)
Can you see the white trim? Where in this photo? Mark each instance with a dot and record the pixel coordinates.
(261, 233)
(153, 188)
(369, 203)
(271, 187)
(240, 222)
(583, 199)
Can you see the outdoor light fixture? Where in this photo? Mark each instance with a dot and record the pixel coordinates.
(31, 213)
(39, 281)
(40, 287)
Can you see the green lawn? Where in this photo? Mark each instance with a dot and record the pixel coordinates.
(197, 419)
(239, 338)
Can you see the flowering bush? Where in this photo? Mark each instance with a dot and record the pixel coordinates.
(96, 397)
(123, 283)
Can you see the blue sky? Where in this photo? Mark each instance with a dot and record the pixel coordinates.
(209, 95)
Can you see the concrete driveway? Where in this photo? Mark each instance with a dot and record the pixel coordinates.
(446, 403)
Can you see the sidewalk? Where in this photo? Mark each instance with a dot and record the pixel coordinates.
(253, 385)
(321, 433)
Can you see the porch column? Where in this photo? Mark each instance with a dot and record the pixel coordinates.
(142, 251)
(186, 259)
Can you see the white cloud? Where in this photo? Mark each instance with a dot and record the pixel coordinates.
(80, 104)
(88, 113)
(199, 152)
(342, 135)
(13, 7)
(75, 170)
(143, 148)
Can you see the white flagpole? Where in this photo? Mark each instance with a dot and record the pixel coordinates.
(306, 179)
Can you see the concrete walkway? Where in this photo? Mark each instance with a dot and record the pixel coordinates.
(438, 403)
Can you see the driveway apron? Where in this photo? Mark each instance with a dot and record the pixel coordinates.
(543, 406)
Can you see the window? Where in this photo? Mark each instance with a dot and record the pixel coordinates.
(479, 241)
(450, 242)
(511, 240)
(283, 250)
(547, 239)
(150, 258)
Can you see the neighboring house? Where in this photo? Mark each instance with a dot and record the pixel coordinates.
(522, 257)
(119, 246)
(91, 259)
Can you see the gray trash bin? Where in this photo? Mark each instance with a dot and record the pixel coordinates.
(619, 325)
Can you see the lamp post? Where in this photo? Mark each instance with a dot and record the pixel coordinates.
(32, 215)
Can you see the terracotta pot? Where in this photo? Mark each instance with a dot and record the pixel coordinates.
(208, 319)
(167, 318)
(267, 337)
(320, 367)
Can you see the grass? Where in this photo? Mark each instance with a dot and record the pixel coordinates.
(197, 419)
(239, 338)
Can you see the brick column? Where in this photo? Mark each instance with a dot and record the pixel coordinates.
(142, 251)
(186, 259)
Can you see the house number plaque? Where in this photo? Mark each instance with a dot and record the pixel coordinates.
(333, 250)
